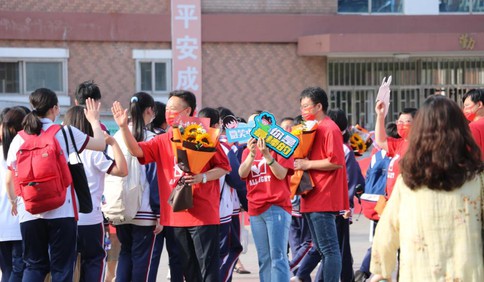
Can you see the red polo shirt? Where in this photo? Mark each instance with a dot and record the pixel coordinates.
(396, 149)
(477, 130)
(206, 196)
(263, 188)
(330, 193)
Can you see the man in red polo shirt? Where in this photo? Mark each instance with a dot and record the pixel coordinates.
(196, 229)
(395, 147)
(474, 111)
(326, 165)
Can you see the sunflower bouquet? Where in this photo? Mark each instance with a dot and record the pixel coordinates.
(360, 139)
(305, 132)
(194, 143)
(301, 182)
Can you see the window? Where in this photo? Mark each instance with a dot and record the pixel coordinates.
(353, 83)
(153, 72)
(461, 6)
(22, 70)
(370, 6)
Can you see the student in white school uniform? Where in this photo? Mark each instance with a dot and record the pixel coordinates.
(137, 236)
(49, 238)
(11, 263)
(90, 238)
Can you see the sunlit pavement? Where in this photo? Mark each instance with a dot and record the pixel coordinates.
(359, 231)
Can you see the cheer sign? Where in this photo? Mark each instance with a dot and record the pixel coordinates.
(279, 140)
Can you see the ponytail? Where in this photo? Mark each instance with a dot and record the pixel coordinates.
(138, 104)
(32, 124)
(11, 124)
(41, 100)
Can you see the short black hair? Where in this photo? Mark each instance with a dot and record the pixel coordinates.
(186, 96)
(391, 130)
(408, 111)
(477, 95)
(223, 112)
(85, 90)
(298, 120)
(339, 117)
(210, 113)
(317, 96)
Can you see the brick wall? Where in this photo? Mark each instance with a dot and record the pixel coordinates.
(88, 6)
(111, 65)
(270, 6)
(248, 77)
(242, 77)
(163, 6)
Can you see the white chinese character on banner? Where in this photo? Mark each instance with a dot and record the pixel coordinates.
(186, 14)
(187, 79)
(186, 46)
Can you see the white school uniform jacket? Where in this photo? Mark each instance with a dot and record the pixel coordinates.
(67, 209)
(226, 205)
(10, 226)
(96, 165)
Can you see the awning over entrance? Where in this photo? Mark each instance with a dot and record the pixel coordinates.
(399, 45)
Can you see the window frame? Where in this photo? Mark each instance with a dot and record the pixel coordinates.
(154, 56)
(22, 56)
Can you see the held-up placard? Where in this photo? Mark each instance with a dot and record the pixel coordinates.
(279, 140)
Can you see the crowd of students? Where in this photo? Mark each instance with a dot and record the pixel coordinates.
(435, 195)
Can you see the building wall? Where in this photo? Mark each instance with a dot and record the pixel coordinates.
(110, 65)
(163, 6)
(249, 77)
(270, 6)
(243, 77)
(88, 6)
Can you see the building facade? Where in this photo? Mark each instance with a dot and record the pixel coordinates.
(256, 54)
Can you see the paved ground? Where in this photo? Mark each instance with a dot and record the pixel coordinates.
(359, 231)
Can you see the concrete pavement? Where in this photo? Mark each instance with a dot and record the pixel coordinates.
(359, 231)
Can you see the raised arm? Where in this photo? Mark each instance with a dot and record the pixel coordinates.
(120, 166)
(121, 117)
(91, 111)
(244, 168)
(380, 134)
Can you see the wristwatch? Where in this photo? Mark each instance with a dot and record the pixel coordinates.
(204, 178)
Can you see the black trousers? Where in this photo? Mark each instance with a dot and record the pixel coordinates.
(199, 252)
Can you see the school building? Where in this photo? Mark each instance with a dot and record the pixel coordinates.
(255, 54)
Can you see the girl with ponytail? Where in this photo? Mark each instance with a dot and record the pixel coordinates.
(49, 238)
(137, 236)
(10, 238)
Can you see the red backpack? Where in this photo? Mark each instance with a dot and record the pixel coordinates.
(42, 174)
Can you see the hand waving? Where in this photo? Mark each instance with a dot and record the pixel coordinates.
(384, 94)
(120, 115)
(92, 110)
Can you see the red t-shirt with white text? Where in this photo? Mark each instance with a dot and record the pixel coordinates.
(206, 196)
(330, 193)
(397, 147)
(263, 188)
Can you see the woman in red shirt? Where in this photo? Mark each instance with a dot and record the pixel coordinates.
(267, 176)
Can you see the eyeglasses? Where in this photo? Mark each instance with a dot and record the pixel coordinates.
(307, 106)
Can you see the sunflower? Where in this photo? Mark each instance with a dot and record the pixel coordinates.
(357, 143)
(297, 130)
(204, 139)
(190, 132)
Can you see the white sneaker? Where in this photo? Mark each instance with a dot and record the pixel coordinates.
(168, 275)
(295, 279)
